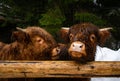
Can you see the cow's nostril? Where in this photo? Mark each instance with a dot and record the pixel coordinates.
(57, 50)
(73, 45)
(81, 46)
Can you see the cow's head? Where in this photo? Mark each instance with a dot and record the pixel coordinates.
(35, 39)
(60, 52)
(83, 40)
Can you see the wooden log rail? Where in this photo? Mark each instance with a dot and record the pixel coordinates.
(57, 69)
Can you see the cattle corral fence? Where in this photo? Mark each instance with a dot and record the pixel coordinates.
(58, 69)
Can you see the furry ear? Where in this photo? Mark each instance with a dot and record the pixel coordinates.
(20, 36)
(104, 35)
(64, 34)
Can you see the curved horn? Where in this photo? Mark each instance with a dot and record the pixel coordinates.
(65, 28)
(104, 29)
(20, 29)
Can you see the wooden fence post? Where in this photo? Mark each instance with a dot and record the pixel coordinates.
(65, 69)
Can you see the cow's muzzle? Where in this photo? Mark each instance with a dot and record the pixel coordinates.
(77, 49)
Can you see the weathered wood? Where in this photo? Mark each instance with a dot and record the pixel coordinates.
(66, 69)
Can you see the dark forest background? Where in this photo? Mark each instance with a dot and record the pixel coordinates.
(54, 14)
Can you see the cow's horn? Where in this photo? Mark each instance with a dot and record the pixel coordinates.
(66, 28)
(20, 29)
(109, 28)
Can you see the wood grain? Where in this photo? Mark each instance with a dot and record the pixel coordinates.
(57, 69)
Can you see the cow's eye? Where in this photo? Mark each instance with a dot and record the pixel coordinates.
(71, 36)
(39, 40)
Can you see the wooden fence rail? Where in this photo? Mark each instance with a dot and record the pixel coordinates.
(57, 69)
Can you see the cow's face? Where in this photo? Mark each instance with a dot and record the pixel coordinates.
(83, 40)
(39, 44)
(35, 38)
(60, 52)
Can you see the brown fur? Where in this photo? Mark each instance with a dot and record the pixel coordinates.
(64, 35)
(32, 43)
(27, 47)
(82, 32)
(104, 36)
(2, 45)
(60, 52)
(88, 34)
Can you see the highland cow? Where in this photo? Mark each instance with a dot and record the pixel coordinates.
(84, 39)
(86, 42)
(32, 43)
(69, 34)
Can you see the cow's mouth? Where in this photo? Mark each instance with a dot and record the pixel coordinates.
(77, 56)
(55, 57)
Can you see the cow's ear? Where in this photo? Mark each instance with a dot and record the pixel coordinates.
(64, 34)
(20, 36)
(104, 35)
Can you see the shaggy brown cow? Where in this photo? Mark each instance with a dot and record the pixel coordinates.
(85, 45)
(83, 40)
(32, 43)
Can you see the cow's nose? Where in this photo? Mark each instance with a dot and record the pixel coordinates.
(77, 46)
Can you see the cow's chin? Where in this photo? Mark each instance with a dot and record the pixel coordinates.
(78, 56)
